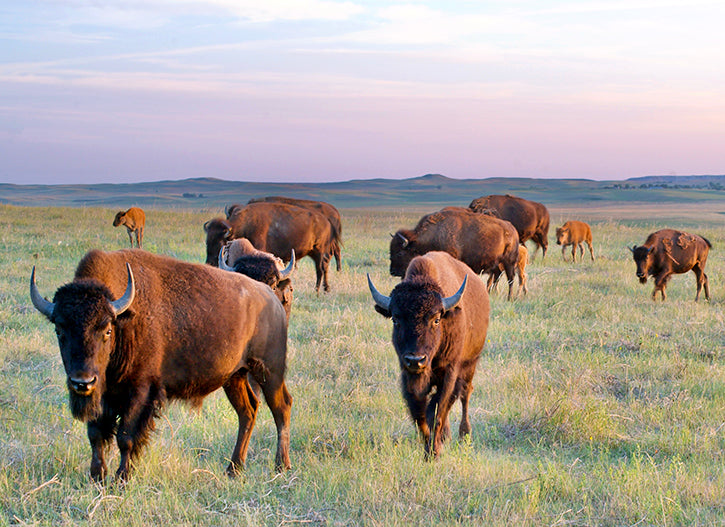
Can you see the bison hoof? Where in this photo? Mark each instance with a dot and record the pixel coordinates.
(234, 470)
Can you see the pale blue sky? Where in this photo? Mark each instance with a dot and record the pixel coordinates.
(146, 90)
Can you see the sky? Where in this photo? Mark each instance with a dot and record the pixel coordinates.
(98, 91)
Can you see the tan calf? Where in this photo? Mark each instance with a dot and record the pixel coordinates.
(135, 221)
(574, 233)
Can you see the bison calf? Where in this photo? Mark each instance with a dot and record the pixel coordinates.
(574, 233)
(440, 315)
(135, 221)
(667, 252)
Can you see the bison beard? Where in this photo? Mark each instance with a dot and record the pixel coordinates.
(86, 407)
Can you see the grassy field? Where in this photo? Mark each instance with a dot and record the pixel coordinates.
(592, 404)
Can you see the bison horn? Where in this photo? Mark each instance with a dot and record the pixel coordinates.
(223, 259)
(380, 299)
(284, 273)
(123, 303)
(632, 248)
(40, 303)
(452, 301)
(405, 240)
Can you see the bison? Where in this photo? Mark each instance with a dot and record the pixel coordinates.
(277, 228)
(480, 241)
(241, 257)
(667, 252)
(576, 234)
(530, 218)
(324, 208)
(136, 329)
(135, 221)
(440, 313)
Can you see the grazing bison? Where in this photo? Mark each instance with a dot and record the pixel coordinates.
(576, 234)
(324, 208)
(440, 317)
(176, 331)
(481, 242)
(277, 228)
(667, 252)
(241, 257)
(530, 218)
(135, 221)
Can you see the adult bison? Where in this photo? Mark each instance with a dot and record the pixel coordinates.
(324, 208)
(241, 257)
(135, 221)
(576, 234)
(277, 228)
(667, 252)
(440, 315)
(530, 218)
(176, 331)
(481, 242)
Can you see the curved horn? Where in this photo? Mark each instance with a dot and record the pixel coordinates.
(632, 248)
(206, 226)
(226, 210)
(123, 303)
(380, 299)
(40, 303)
(405, 240)
(452, 301)
(228, 234)
(223, 259)
(284, 273)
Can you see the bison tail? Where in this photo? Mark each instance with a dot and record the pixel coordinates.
(707, 242)
(258, 369)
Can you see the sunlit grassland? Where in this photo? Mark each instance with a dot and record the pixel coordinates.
(592, 404)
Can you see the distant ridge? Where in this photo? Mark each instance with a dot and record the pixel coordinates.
(429, 191)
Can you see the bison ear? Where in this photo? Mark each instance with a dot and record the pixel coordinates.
(383, 311)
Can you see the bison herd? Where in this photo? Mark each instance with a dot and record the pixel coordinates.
(136, 329)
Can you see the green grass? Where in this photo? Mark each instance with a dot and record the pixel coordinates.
(592, 404)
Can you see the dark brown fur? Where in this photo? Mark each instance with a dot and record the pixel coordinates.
(264, 269)
(135, 221)
(277, 228)
(190, 330)
(481, 242)
(324, 208)
(576, 234)
(667, 252)
(530, 218)
(450, 342)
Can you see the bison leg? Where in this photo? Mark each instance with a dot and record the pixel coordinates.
(660, 284)
(467, 387)
(130, 236)
(279, 401)
(417, 409)
(591, 251)
(100, 433)
(573, 252)
(444, 401)
(701, 278)
(135, 426)
(563, 252)
(510, 269)
(245, 403)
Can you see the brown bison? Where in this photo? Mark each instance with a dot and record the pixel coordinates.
(135, 221)
(277, 228)
(176, 331)
(530, 218)
(324, 208)
(481, 242)
(576, 234)
(667, 252)
(440, 317)
(241, 257)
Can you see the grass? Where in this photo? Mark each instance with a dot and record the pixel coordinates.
(592, 404)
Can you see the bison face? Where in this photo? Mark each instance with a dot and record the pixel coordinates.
(402, 251)
(562, 235)
(119, 219)
(218, 232)
(85, 318)
(418, 310)
(643, 258)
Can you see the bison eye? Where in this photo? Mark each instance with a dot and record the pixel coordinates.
(437, 320)
(107, 334)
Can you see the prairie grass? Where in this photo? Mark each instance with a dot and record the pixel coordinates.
(592, 404)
